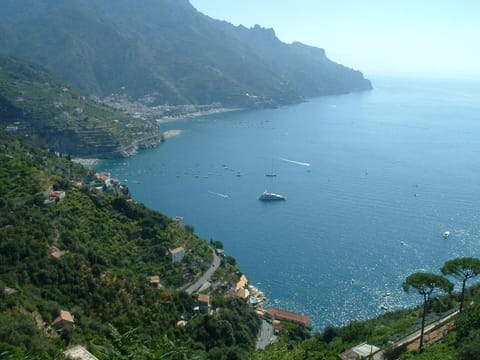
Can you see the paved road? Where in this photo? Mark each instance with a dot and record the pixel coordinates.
(206, 276)
(265, 335)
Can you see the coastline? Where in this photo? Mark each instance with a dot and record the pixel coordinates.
(168, 134)
(171, 133)
(194, 114)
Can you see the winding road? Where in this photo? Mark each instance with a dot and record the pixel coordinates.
(206, 275)
(265, 335)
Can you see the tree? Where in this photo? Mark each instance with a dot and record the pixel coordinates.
(425, 284)
(462, 269)
(217, 244)
(470, 347)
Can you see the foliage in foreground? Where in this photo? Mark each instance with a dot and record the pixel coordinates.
(109, 246)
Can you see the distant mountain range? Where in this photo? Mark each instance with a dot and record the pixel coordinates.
(169, 49)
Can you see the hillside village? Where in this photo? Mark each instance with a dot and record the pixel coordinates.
(224, 278)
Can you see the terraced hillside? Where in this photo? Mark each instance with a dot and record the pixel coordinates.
(37, 106)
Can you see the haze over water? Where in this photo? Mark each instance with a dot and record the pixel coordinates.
(389, 171)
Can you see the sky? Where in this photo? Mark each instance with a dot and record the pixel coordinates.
(408, 38)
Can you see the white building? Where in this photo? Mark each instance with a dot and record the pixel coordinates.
(78, 352)
(362, 351)
(177, 254)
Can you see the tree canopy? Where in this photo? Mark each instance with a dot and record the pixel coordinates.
(462, 269)
(426, 283)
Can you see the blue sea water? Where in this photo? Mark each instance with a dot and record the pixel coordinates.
(390, 171)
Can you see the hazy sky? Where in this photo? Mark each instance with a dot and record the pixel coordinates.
(430, 38)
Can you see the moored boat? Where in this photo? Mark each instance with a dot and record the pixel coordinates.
(268, 196)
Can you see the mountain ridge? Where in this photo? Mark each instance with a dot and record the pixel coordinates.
(168, 49)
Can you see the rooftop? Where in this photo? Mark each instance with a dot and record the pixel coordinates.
(155, 279)
(64, 316)
(242, 282)
(288, 316)
(359, 352)
(78, 352)
(177, 250)
(203, 298)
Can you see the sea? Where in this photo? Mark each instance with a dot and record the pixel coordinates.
(372, 181)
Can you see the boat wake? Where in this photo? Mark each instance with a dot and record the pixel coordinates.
(218, 194)
(296, 162)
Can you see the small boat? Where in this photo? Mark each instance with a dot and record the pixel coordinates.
(446, 234)
(384, 307)
(268, 196)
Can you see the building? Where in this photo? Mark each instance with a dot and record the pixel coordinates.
(63, 319)
(203, 302)
(57, 254)
(362, 351)
(178, 220)
(282, 315)
(57, 195)
(78, 352)
(242, 293)
(177, 254)
(103, 176)
(155, 281)
(277, 327)
(241, 283)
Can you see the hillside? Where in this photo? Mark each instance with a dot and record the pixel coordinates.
(36, 105)
(91, 254)
(94, 253)
(169, 50)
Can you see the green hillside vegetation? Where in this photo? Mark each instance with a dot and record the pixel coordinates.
(36, 105)
(107, 247)
(460, 341)
(169, 50)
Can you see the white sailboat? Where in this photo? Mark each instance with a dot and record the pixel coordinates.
(270, 196)
(272, 172)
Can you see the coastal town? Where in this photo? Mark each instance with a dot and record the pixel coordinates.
(144, 109)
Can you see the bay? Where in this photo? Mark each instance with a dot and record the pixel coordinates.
(372, 181)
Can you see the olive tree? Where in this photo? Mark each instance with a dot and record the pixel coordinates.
(425, 284)
(462, 269)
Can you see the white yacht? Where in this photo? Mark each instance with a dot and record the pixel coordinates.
(268, 196)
